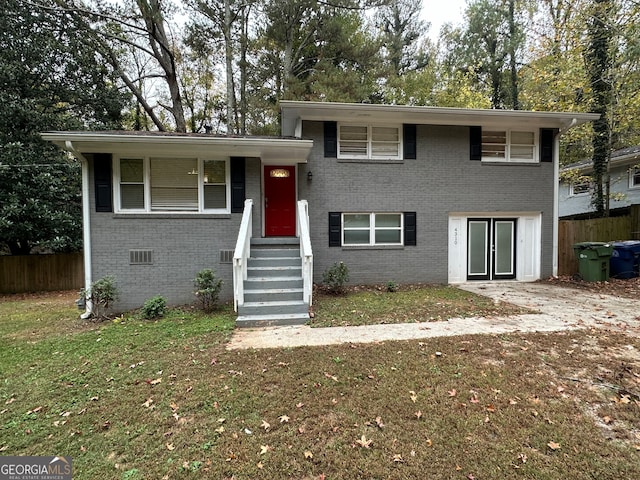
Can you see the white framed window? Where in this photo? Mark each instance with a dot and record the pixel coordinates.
(372, 229)
(169, 184)
(374, 142)
(580, 187)
(518, 146)
(634, 177)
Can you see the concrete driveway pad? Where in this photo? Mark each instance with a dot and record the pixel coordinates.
(560, 309)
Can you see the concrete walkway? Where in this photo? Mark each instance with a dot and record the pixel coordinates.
(560, 309)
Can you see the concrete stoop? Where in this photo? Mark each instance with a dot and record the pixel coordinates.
(273, 293)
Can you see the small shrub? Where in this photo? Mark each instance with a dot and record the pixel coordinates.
(392, 286)
(155, 307)
(208, 289)
(101, 293)
(335, 277)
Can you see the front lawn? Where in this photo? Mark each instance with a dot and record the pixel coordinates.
(138, 399)
(367, 305)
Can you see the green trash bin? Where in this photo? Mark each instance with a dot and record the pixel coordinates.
(593, 260)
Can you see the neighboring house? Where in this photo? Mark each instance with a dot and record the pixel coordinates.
(624, 171)
(398, 193)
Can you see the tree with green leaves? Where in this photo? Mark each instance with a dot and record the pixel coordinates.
(598, 59)
(489, 48)
(48, 81)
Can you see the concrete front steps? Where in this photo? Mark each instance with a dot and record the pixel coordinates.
(273, 292)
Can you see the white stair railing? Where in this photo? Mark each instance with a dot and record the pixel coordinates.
(241, 255)
(305, 251)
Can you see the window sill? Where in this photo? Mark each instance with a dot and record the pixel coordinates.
(504, 162)
(371, 160)
(169, 215)
(373, 247)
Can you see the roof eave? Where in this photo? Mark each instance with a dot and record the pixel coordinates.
(268, 149)
(346, 112)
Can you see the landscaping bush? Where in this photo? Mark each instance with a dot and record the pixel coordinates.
(155, 307)
(101, 293)
(392, 286)
(208, 289)
(335, 277)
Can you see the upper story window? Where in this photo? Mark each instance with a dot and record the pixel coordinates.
(634, 177)
(580, 187)
(517, 146)
(162, 184)
(369, 141)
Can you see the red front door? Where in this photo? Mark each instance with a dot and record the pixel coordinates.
(280, 201)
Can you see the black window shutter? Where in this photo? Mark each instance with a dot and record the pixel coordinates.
(335, 229)
(409, 141)
(475, 143)
(410, 228)
(547, 136)
(102, 180)
(330, 140)
(237, 184)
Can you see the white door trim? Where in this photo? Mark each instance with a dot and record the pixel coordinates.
(528, 244)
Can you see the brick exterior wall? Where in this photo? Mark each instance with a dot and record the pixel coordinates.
(182, 245)
(441, 180)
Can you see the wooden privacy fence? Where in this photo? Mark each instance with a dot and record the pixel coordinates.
(571, 232)
(38, 273)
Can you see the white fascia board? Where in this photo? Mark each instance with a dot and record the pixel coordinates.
(288, 150)
(583, 168)
(351, 112)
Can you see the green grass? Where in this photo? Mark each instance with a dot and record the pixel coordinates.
(412, 303)
(138, 399)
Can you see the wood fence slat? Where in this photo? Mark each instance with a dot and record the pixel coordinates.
(571, 232)
(39, 273)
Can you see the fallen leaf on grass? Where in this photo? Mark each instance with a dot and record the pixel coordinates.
(452, 392)
(148, 403)
(553, 445)
(266, 425)
(332, 377)
(299, 405)
(363, 442)
(284, 419)
(264, 449)
(154, 382)
(491, 408)
(379, 422)
(308, 455)
(397, 458)
(418, 414)
(413, 396)
(429, 442)
(170, 447)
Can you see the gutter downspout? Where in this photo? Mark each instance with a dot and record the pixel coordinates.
(86, 236)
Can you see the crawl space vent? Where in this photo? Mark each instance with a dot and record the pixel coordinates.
(226, 256)
(140, 257)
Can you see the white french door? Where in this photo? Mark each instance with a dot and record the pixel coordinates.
(491, 248)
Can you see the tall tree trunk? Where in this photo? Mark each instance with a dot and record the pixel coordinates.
(244, 46)
(513, 84)
(228, 55)
(598, 61)
(153, 18)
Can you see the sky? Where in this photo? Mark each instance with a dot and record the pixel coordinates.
(439, 12)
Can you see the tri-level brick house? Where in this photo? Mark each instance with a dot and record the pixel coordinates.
(398, 193)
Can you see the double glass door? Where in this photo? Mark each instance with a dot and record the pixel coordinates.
(491, 249)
